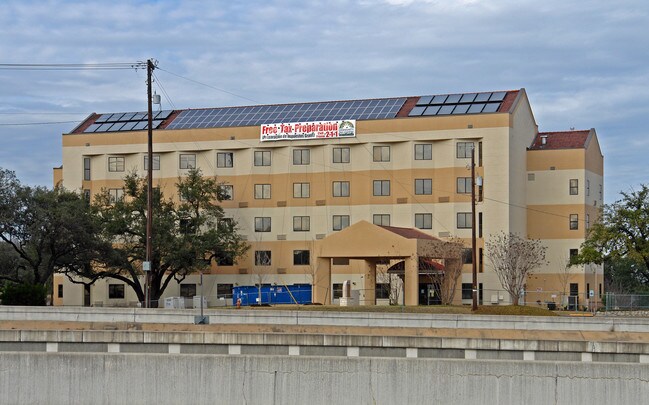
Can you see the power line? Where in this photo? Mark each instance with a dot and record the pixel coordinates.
(72, 66)
(38, 123)
(207, 85)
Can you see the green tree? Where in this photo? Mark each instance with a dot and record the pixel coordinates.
(43, 231)
(621, 236)
(187, 236)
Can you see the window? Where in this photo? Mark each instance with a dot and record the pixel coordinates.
(467, 256)
(226, 224)
(301, 257)
(531, 176)
(187, 290)
(574, 186)
(224, 290)
(340, 222)
(423, 186)
(187, 161)
(382, 291)
(381, 187)
(86, 168)
(467, 291)
(600, 191)
(262, 258)
(341, 155)
(301, 190)
(337, 291)
(480, 260)
(301, 224)
(341, 189)
(224, 258)
(464, 220)
(86, 195)
(574, 222)
(587, 221)
(116, 291)
(115, 194)
(155, 160)
(262, 191)
(116, 164)
(381, 219)
(224, 159)
(480, 154)
(262, 224)
(424, 221)
(424, 151)
(381, 153)
(587, 187)
(226, 192)
(340, 261)
(60, 291)
(464, 185)
(464, 150)
(573, 255)
(479, 224)
(301, 156)
(262, 158)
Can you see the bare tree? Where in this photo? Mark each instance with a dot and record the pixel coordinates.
(514, 258)
(445, 280)
(564, 275)
(391, 284)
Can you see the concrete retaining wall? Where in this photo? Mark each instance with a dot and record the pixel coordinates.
(370, 319)
(75, 378)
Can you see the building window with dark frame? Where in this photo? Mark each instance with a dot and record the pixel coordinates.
(381, 188)
(574, 186)
(341, 155)
(224, 159)
(116, 163)
(424, 221)
(301, 224)
(381, 153)
(464, 185)
(115, 195)
(301, 190)
(424, 151)
(423, 186)
(464, 220)
(188, 290)
(337, 291)
(463, 150)
(301, 156)
(262, 158)
(467, 291)
(187, 161)
(574, 222)
(226, 192)
(155, 160)
(116, 291)
(382, 291)
(60, 291)
(224, 290)
(340, 222)
(262, 257)
(86, 168)
(262, 191)
(341, 189)
(301, 257)
(262, 224)
(381, 219)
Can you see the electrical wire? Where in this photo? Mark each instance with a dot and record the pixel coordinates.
(72, 66)
(207, 85)
(12, 124)
(163, 91)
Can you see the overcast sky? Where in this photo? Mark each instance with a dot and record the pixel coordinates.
(584, 64)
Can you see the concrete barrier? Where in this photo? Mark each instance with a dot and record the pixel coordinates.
(92, 378)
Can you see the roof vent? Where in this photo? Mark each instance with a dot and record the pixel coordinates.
(544, 139)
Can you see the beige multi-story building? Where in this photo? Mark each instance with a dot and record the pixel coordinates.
(353, 190)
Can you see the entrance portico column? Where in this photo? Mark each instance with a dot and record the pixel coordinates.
(322, 282)
(411, 281)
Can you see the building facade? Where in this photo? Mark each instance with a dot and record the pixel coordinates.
(298, 174)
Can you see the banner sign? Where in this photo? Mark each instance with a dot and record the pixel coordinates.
(308, 130)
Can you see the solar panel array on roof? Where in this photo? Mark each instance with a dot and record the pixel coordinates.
(131, 121)
(449, 104)
(272, 114)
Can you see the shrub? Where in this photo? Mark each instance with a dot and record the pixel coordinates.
(23, 294)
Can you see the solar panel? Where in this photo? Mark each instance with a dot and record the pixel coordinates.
(269, 114)
(482, 97)
(129, 121)
(457, 104)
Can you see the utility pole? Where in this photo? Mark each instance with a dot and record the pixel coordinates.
(474, 287)
(149, 189)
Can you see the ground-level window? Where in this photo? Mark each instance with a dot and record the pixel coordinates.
(224, 290)
(115, 291)
(337, 291)
(467, 291)
(187, 290)
(382, 291)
